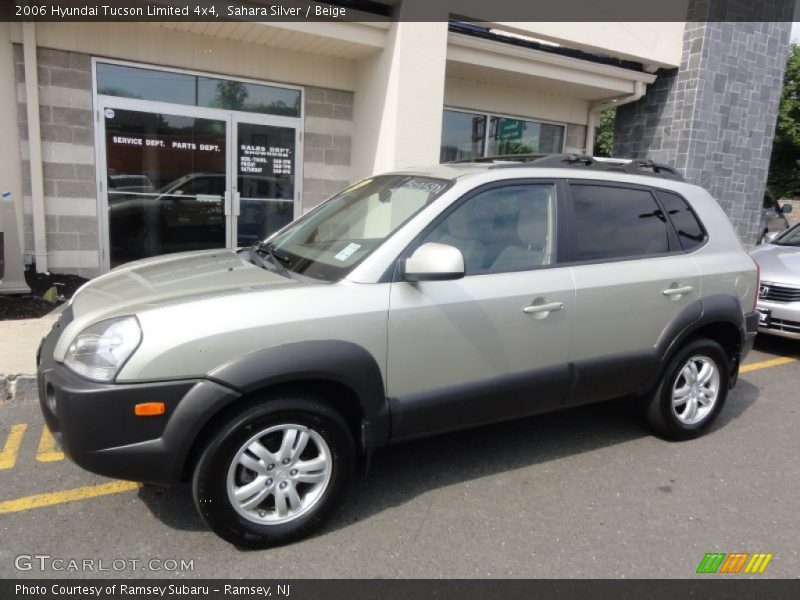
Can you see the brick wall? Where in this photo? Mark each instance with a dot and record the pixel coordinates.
(714, 117)
(327, 142)
(65, 108)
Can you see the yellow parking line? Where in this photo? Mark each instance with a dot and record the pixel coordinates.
(8, 457)
(773, 362)
(47, 451)
(81, 493)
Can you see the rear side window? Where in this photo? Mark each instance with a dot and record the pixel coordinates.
(613, 222)
(690, 232)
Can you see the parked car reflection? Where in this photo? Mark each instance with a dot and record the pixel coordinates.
(189, 214)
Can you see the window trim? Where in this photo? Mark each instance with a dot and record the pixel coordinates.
(560, 226)
(673, 243)
(489, 115)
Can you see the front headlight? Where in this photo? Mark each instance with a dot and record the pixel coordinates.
(100, 350)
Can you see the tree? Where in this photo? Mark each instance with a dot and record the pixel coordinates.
(604, 140)
(230, 94)
(784, 168)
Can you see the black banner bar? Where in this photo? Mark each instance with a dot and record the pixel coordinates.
(714, 587)
(408, 10)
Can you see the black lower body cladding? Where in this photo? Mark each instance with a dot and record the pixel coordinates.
(98, 430)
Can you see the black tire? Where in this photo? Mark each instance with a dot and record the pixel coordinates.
(659, 413)
(210, 480)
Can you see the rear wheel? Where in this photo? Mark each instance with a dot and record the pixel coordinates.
(691, 392)
(274, 473)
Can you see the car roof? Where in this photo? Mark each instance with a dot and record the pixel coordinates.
(559, 165)
(486, 173)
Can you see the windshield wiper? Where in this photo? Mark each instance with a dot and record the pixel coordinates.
(278, 259)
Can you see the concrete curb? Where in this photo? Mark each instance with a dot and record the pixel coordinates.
(18, 388)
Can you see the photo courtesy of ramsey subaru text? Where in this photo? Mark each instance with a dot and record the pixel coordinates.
(412, 303)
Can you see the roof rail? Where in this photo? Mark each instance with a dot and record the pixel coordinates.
(631, 166)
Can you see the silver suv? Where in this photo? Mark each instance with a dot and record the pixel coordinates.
(410, 304)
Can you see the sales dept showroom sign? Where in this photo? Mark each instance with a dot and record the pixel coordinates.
(263, 160)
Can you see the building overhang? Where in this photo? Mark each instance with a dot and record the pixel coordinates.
(498, 63)
(352, 40)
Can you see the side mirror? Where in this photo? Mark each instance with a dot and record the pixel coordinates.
(786, 209)
(434, 262)
(770, 236)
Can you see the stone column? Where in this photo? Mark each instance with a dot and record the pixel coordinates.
(714, 117)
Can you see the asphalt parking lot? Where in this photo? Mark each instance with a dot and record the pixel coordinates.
(581, 493)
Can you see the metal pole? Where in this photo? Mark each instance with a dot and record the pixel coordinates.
(35, 145)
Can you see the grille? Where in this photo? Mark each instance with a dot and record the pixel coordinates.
(783, 325)
(778, 293)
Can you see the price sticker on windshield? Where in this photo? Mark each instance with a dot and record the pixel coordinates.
(347, 252)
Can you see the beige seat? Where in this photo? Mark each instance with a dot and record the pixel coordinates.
(532, 227)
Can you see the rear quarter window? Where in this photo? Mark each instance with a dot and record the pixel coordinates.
(690, 232)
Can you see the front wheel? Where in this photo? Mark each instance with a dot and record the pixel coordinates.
(691, 392)
(274, 472)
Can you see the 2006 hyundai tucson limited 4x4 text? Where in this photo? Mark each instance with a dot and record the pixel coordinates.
(412, 303)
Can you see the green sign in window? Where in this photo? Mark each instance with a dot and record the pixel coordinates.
(510, 129)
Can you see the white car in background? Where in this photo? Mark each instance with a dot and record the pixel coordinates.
(779, 293)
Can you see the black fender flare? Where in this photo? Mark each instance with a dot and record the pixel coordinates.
(337, 361)
(713, 309)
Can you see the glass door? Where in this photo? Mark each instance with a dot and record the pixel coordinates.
(265, 186)
(174, 179)
(166, 182)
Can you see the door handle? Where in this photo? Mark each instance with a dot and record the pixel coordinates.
(237, 198)
(678, 291)
(543, 308)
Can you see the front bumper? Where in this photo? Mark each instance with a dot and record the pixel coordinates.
(784, 319)
(97, 429)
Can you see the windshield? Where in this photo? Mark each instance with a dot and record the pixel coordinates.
(790, 237)
(329, 242)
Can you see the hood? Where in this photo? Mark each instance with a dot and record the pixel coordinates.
(779, 264)
(171, 279)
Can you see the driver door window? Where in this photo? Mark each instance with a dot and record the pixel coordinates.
(502, 229)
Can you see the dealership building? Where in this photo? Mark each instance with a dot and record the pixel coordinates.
(125, 140)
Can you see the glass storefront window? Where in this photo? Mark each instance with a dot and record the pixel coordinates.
(462, 135)
(465, 135)
(194, 90)
(247, 97)
(145, 84)
(515, 136)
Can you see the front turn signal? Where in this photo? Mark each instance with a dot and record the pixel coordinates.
(149, 409)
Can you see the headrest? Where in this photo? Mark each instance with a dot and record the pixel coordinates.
(532, 223)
